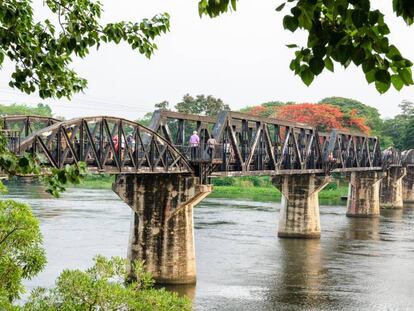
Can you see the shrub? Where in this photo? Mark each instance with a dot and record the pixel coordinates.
(104, 287)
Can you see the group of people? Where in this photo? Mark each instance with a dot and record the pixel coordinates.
(130, 141)
(195, 146)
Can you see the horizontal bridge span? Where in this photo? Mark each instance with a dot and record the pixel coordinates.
(105, 144)
(245, 145)
(252, 145)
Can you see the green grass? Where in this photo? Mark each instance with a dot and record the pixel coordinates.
(271, 194)
(96, 182)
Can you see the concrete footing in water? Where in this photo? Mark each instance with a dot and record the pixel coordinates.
(162, 233)
(363, 194)
(408, 185)
(391, 189)
(299, 214)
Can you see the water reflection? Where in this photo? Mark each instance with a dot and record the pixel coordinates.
(301, 275)
(408, 205)
(187, 290)
(362, 229)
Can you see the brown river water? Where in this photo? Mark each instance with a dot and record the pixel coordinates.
(358, 264)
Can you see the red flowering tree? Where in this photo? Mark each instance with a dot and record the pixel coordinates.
(323, 116)
(257, 111)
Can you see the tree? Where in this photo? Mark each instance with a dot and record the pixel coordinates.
(21, 253)
(341, 31)
(259, 110)
(164, 105)
(400, 129)
(407, 108)
(201, 104)
(103, 287)
(409, 135)
(267, 109)
(19, 109)
(348, 106)
(325, 117)
(43, 53)
(395, 128)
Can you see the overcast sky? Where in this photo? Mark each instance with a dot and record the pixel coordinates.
(240, 57)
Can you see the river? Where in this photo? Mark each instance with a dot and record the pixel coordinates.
(358, 264)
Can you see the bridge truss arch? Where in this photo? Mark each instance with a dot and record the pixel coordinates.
(26, 125)
(18, 127)
(106, 144)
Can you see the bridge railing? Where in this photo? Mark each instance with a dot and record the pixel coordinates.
(105, 144)
(13, 139)
(245, 144)
(252, 144)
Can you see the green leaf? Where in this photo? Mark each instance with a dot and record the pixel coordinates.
(344, 53)
(290, 23)
(397, 82)
(382, 87)
(329, 64)
(280, 7)
(370, 76)
(393, 53)
(316, 65)
(383, 76)
(384, 30)
(292, 46)
(406, 76)
(307, 76)
(359, 18)
(359, 56)
(305, 18)
(368, 64)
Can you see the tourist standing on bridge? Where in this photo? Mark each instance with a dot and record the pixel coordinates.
(194, 144)
(211, 145)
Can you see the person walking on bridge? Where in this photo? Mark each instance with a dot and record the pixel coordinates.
(211, 145)
(194, 144)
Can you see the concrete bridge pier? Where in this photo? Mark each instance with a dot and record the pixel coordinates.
(408, 185)
(363, 194)
(391, 189)
(162, 233)
(299, 215)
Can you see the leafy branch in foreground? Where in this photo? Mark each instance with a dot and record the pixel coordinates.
(21, 253)
(25, 164)
(104, 287)
(341, 31)
(43, 53)
(58, 178)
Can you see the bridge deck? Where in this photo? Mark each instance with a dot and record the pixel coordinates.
(245, 145)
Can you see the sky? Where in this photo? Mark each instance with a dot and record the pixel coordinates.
(239, 57)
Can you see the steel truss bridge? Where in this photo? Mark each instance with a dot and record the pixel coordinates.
(246, 145)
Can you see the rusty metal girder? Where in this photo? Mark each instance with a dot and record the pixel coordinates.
(249, 145)
(26, 124)
(246, 145)
(105, 144)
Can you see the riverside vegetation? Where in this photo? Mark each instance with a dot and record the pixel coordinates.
(105, 286)
(249, 188)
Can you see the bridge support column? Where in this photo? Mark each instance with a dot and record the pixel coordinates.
(299, 215)
(162, 232)
(408, 185)
(363, 194)
(391, 190)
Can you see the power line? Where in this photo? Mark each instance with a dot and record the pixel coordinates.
(82, 103)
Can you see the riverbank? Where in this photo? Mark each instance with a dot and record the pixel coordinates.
(262, 192)
(267, 194)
